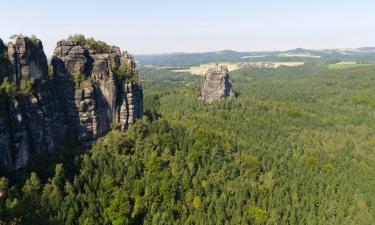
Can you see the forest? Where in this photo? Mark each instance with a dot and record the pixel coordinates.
(180, 59)
(295, 147)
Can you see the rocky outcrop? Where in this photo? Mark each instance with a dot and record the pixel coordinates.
(4, 61)
(133, 101)
(28, 60)
(30, 123)
(103, 97)
(86, 95)
(216, 85)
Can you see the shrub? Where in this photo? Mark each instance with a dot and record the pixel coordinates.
(8, 88)
(92, 44)
(25, 87)
(34, 39)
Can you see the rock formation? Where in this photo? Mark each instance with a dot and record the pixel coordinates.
(216, 85)
(102, 96)
(33, 122)
(87, 94)
(4, 60)
(27, 58)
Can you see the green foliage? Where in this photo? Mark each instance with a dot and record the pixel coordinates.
(11, 89)
(339, 66)
(4, 182)
(122, 73)
(120, 208)
(92, 44)
(50, 71)
(78, 80)
(363, 99)
(32, 185)
(257, 215)
(123, 70)
(25, 87)
(294, 148)
(34, 39)
(8, 88)
(181, 60)
(197, 203)
(81, 80)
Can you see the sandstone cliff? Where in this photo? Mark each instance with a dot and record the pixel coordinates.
(216, 85)
(86, 94)
(102, 96)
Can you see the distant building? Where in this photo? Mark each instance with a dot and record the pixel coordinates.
(257, 65)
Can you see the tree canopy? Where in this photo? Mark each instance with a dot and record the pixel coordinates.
(296, 147)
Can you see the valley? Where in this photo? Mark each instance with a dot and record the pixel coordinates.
(295, 146)
(187, 112)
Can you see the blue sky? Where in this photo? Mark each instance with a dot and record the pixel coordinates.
(145, 26)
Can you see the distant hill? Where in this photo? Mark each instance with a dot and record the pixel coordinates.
(365, 54)
(371, 49)
(177, 59)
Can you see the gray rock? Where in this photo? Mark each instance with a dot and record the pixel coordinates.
(2, 46)
(84, 99)
(216, 85)
(69, 60)
(103, 100)
(27, 59)
(4, 61)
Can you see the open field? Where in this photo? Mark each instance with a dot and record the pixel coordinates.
(253, 56)
(202, 69)
(290, 55)
(347, 65)
(278, 64)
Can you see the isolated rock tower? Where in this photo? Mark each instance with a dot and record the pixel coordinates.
(216, 84)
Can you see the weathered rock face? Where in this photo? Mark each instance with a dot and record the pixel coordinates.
(2, 47)
(4, 62)
(27, 59)
(216, 85)
(133, 101)
(33, 122)
(100, 98)
(83, 99)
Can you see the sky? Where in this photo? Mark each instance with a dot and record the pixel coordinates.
(165, 26)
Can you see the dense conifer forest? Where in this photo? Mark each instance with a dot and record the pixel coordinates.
(295, 147)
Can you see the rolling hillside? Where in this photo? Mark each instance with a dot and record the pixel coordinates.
(366, 54)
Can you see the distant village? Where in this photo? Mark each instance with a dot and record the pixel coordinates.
(257, 65)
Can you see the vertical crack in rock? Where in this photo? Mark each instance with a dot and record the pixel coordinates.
(100, 98)
(216, 85)
(85, 97)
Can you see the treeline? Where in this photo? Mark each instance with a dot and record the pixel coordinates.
(296, 55)
(296, 147)
(157, 173)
